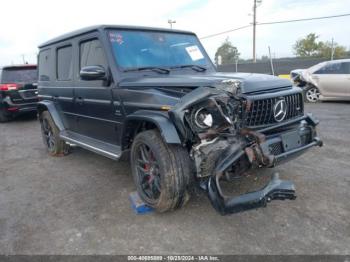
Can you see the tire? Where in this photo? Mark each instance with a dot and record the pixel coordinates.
(3, 116)
(50, 133)
(311, 94)
(161, 172)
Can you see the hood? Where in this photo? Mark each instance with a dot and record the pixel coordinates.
(297, 71)
(250, 82)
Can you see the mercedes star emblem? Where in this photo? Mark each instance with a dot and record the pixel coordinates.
(280, 110)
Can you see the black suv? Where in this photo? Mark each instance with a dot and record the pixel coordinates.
(18, 90)
(155, 94)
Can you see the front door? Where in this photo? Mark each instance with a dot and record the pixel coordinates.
(93, 99)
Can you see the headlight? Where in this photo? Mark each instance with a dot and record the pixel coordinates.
(203, 119)
(215, 113)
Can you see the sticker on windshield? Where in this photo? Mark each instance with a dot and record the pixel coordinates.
(194, 53)
(116, 37)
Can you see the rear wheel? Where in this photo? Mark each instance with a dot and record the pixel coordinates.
(161, 171)
(312, 94)
(4, 117)
(50, 133)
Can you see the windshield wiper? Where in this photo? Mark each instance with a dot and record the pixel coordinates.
(159, 70)
(197, 68)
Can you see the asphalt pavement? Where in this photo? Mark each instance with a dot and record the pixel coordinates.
(78, 204)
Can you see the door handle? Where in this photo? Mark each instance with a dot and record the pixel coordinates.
(79, 100)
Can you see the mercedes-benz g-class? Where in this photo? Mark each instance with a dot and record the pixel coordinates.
(156, 94)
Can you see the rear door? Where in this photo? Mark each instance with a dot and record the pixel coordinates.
(93, 99)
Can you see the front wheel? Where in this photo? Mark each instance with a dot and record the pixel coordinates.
(161, 171)
(312, 94)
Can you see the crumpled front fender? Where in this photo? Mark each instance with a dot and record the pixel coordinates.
(198, 95)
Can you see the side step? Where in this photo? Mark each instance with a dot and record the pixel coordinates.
(91, 144)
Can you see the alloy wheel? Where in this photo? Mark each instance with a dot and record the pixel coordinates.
(148, 172)
(312, 95)
(48, 134)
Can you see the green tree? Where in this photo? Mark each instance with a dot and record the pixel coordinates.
(326, 50)
(228, 52)
(308, 46)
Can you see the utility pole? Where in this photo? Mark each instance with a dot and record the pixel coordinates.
(254, 30)
(332, 50)
(271, 63)
(171, 22)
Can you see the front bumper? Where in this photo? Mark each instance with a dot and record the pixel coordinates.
(269, 149)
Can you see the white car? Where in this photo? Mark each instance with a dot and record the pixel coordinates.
(328, 80)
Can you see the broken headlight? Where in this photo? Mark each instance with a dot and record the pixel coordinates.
(211, 114)
(202, 118)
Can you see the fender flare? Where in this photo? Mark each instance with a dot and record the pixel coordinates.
(50, 106)
(165, 126)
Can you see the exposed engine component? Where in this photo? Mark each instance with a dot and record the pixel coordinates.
(205, 155)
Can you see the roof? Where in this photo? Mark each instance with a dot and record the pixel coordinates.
(102, 27)
(18, 66)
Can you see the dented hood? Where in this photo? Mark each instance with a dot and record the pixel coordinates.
(249, 82)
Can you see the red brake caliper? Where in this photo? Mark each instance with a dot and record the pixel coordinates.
(147, 168)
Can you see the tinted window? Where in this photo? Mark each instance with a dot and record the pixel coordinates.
(133, 49)
(332, 68)
(91, 53)
(346, 67)
(18, 74)
(45, 64)
(64, 63)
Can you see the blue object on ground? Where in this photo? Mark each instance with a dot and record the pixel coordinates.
(138, 205)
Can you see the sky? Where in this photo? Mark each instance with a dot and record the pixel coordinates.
(26, 24)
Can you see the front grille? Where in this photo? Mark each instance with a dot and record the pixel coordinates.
(276, 148)
(261, 110)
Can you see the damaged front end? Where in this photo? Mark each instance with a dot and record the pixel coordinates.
(213, 122)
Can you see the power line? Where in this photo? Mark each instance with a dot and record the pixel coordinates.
(275, 22)
(302, 19)
(228, 31)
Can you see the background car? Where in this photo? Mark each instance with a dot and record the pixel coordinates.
(325, 81)
(18, 90)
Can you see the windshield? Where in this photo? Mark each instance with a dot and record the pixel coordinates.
(18, 75)
(140, 49)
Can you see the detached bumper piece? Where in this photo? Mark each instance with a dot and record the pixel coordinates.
(276, 189)
(266, 150)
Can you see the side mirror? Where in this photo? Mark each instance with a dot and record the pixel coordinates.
(95, 72)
